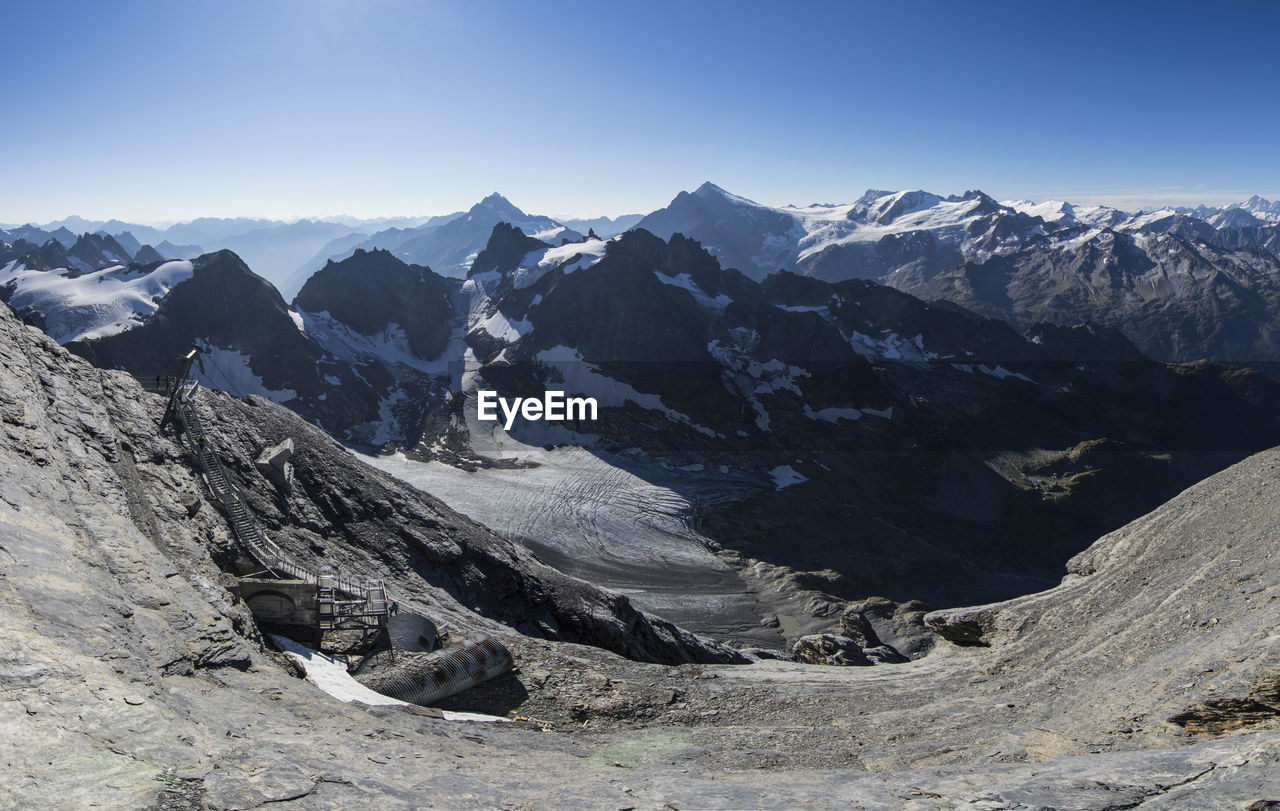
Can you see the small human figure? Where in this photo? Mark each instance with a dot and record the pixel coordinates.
(395, 608)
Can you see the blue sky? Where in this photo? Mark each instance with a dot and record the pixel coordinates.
(152, 111)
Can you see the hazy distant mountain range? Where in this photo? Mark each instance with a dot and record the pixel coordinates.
(286, 253)
(1182, 284)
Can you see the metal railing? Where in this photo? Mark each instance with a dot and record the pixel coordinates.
(370, 604)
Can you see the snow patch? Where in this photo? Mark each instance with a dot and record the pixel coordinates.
(95, 304)
(1002, 373)
(390, 345)
(685, 282)
(504, 328)
(571, 257)
(1055, 211)
(332, 677)
(890, 346)
(229, 370)
(582, 379)
(833, 414)
(589, 253)
(549, 234)
(785, 476)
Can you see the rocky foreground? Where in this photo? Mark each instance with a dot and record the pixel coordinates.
(130, 677)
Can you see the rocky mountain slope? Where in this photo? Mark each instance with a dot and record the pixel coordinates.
(131, 677)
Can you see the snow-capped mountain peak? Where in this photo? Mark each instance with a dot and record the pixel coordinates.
(1051, 211)
(893, 206)
(497, 205)
(710, 191)
(450, 247)
(1262, 208)
(906, 237)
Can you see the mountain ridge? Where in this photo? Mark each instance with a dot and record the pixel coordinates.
(1207, 277)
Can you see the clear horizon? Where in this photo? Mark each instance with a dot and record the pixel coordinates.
(156, 112)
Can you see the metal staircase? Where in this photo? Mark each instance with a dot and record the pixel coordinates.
(343, 602)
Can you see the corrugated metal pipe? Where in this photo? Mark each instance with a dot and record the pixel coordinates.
(436, 676)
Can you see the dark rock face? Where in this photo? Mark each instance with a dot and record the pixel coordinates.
(12, 248)
(147, 255)
(51, 254)
(829, 649)
(98, 251)
(226, 306)
(854, 625)
(507, 245)
(899, 626)
(963, 627)
(621, 311)
(373, 290)
(1087, 342)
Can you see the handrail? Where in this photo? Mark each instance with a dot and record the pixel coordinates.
(245, 527)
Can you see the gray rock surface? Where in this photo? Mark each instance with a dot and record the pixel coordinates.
(828, 649)
(881, 621)
(130, 679)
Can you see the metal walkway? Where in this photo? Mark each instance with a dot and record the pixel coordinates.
(342, 601)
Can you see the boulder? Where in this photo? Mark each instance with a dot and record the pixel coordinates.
(274, 463)
(828, 649)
